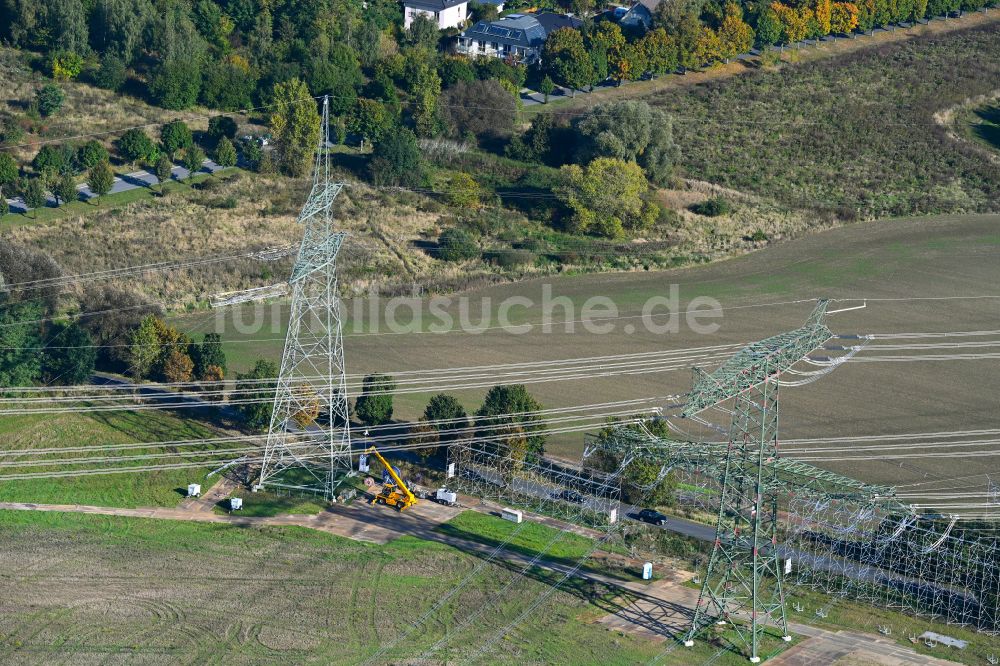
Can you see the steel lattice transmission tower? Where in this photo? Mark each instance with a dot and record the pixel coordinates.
(308, 440)
(743, 580)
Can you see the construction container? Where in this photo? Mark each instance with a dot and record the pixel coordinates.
(446, 497)
(194, 490)
(513, 515)
(235, 503)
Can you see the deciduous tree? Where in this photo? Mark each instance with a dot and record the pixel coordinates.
(707, 48)
(509, 423)
(70, 355)
(175, 136)
(396, 160)
(100, 180)
(566, 59)
(144, 348)
(164, 167)
(33, 194)
(735, 35)
(65, 190)
(607, 197)
(484, 108)
(135, 145)
(295, 122)
(374, 406)
(660, 51)
(257, 389)
(194, 159)
(629, 130)
(446, 414)
(843, 18)
(225, 153)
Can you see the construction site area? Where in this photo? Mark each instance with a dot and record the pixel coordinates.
(786, 457)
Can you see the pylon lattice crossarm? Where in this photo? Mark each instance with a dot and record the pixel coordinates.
(757, 362)
(708, 460)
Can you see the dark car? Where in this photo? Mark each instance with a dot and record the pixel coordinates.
(569, 496)
(651, 517)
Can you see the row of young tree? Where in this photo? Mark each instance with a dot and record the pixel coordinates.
(59, 168)
(507, 418)
(691, 34)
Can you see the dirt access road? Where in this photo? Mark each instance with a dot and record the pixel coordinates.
(655, 611)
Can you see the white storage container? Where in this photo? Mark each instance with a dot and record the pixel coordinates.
(513, 515)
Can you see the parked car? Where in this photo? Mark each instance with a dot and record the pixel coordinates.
(569, 496)
(651, 517)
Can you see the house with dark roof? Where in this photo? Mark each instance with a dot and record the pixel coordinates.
(446, 13)
(640, 15)
(519, 37)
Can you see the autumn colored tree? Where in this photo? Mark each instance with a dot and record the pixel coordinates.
(621, 66)
(177, 367)
(607, 197)
(794, 23)
(824, 14)
(735, 35)
(843, 18)
(566, 59)
(707, 48)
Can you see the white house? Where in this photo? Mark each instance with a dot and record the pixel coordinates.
(446, 13)
(517, 37)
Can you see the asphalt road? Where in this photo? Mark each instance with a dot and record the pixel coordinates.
(129, 181)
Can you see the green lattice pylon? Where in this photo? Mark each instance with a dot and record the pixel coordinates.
(742, 584)
(308, 440)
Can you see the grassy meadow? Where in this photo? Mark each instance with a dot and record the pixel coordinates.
(854, 135)
(99, 429)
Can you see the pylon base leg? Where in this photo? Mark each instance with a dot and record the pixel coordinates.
(720, 622)
(787, 639)
(754, 660)
(689, 643)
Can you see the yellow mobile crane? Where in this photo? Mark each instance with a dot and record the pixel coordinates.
(394, 492)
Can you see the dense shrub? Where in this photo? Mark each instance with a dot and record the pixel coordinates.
(713, 207)
(505, 258)
(456, 245)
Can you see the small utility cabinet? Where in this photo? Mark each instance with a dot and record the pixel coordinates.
(235, 503)
(194, 490)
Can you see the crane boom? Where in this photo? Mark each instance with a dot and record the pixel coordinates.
(408, 499)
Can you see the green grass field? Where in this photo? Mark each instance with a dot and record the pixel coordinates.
(269, 504)
(196, 593)
(846, 614)
(154, 488)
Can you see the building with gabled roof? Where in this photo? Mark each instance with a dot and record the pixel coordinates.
(446, 13)
(517, 37)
